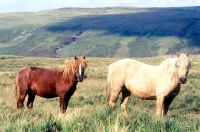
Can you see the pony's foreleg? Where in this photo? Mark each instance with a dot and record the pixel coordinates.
(167, 102)
(124, 102)
(63, 104)
(31, 97)
(159, 106)
(64, 100)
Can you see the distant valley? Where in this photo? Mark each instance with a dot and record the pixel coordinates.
(114, 32)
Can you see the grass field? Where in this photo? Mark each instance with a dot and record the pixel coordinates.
(87, 111)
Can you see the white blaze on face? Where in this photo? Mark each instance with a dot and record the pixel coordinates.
(79, 68)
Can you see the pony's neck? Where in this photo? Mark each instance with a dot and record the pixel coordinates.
(170, 69)
(72, 78)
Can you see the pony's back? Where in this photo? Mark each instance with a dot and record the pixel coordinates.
(124, 68)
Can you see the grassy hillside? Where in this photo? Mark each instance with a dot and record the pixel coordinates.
(87, 110)
(101, 32)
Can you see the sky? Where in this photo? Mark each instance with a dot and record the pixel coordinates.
(39, 5)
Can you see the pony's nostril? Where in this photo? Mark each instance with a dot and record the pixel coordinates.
(183, 80)
(79, 78)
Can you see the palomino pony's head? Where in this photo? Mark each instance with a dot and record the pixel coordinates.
(183, 65)
(76, 66)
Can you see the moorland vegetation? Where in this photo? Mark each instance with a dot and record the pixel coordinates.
(87, 110)
(101, 32)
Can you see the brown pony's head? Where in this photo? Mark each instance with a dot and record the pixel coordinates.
(81, 65)
(76, 66)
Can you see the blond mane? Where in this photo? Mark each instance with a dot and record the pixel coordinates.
(70, 66)
(170, 63)
(169, 66)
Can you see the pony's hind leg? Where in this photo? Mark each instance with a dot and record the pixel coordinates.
(20, 101)
(124, 102)
(113, 98)
(20, 95)
(31, 97)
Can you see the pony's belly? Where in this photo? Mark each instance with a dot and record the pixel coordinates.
(45, 92)
(142, 88)
(143, 93)
(46, 95)
(148, 98)
(52, 96)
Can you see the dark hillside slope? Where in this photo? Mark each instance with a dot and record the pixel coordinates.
(101, 32)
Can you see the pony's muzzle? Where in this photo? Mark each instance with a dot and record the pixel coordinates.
(183, 80)
(80, 78)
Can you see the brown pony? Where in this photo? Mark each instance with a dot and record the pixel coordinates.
(161, 83)
(48, 83)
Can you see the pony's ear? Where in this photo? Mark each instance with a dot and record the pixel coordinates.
(187, 54)
(75, 57)
(83, 57)
(177, 54)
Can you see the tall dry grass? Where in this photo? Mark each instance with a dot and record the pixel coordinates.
(87, 110)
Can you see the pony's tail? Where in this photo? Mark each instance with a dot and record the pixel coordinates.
(16, 88)
(107, 94)
(108, 88)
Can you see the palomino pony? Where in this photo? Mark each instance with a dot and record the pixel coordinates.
(48, 83)
(161, 83)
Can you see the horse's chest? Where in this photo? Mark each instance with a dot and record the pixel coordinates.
(175, 91)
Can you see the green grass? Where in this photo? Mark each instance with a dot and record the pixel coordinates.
(87, 110)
